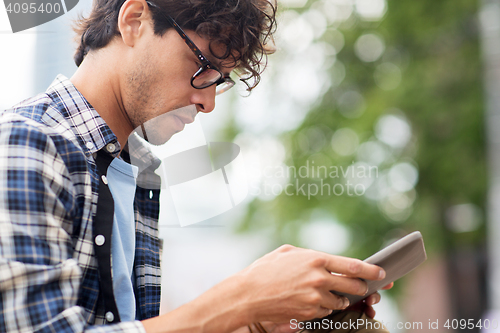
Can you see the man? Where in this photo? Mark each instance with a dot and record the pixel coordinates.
(68, 262)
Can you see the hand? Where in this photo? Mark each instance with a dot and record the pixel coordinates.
(362, 306)
(294, 283)
(366, 304)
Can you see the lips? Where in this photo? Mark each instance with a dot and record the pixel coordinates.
(185, 119)
(179, 124)
(185, 115)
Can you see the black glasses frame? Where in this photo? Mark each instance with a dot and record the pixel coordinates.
(205, 63)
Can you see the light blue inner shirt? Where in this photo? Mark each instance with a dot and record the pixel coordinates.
(122, 184)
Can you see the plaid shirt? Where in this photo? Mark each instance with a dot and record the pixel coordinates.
(49, 279)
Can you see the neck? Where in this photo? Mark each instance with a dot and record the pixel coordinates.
(97, 81)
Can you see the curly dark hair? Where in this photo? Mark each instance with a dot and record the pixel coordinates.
(244, 27)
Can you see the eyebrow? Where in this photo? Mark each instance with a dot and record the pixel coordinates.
(210, 57)
(216, 62)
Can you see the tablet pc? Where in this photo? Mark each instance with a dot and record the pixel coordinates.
(397, 259)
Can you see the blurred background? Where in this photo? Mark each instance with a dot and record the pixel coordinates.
(374, 118)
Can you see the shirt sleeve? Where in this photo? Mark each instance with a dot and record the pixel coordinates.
(39, 279)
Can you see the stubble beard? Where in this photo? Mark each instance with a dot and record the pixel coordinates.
(142, 107)
(140, 84)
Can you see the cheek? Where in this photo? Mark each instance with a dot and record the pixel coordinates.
(167, 95)
(175, 87)
(168, 85)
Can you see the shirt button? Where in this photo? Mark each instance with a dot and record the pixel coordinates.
(104, 179)
(111, 147)
(89, 145)
(110, 316)
(99, 241)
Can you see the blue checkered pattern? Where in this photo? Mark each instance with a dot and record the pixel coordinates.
(48, 199)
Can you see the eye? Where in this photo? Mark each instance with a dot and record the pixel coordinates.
(204, 74)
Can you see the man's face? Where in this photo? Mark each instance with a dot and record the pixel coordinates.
(158, 80)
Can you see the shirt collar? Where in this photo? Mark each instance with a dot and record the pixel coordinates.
(90, 129)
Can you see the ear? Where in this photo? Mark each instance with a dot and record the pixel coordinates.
(133, 20)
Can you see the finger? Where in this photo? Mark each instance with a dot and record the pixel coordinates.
(372, 299)
(345, 284)
(354, 268)
(323, 312)
(333, 302)
(284, 328)
(370, 312)
(389, 286)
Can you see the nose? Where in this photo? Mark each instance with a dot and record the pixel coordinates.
(204, 99)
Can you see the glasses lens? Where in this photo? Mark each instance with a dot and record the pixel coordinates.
(223, 87)
(206, 78)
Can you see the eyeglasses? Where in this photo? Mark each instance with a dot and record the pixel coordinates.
(207, 75)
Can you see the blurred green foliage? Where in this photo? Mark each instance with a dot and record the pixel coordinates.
(435, 45)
